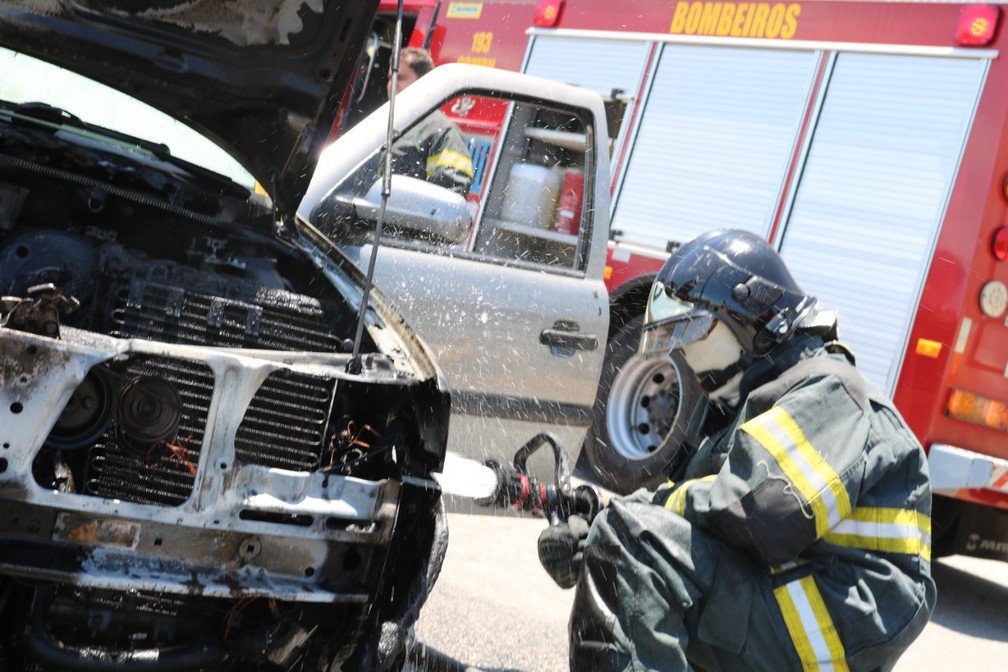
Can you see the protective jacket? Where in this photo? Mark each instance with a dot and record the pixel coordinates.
(434, 150)
(799, 538)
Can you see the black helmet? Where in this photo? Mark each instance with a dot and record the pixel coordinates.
(732, 276)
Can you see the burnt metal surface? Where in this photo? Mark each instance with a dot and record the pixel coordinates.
(188, 472)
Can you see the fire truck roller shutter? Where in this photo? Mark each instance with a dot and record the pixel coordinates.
(874, 188)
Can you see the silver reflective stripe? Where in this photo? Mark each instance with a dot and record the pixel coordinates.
(884, 529)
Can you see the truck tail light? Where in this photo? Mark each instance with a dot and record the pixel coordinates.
(994, 293)
(970, 407)
(977, 25)
(999, 244)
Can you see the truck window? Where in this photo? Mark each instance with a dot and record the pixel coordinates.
(534, 206)
(513, 192)
(611, 68)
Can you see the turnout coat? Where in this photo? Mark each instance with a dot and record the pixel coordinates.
(797, 539)
(434, 150)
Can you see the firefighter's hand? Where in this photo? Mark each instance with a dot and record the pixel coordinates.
(560, 549)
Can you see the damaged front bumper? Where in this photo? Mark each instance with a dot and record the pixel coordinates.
(199, 513)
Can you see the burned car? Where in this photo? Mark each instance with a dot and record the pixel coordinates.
(205, 464)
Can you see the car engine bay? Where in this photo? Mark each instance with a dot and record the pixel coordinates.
(190, 477)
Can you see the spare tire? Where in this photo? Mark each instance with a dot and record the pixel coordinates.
(641, 414)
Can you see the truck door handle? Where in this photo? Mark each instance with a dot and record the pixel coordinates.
(567, 335)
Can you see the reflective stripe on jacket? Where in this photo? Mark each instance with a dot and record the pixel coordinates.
(821, 480)
(434, 150)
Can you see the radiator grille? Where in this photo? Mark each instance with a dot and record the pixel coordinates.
(164, 475)
(270, 320)
(286, 422)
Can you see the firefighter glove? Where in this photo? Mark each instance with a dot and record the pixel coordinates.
(560, 550)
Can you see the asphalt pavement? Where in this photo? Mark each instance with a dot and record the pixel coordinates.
(494, 609)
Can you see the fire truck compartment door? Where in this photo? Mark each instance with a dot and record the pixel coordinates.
(874, 188)
(714, 142)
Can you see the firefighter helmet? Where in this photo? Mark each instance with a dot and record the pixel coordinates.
(728, 276)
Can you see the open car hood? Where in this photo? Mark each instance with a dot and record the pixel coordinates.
(263, 78)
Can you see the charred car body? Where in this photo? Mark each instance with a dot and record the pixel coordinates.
(193, 472)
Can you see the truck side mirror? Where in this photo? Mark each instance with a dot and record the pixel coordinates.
(417, 207)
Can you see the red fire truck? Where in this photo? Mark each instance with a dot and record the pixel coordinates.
(866, 140)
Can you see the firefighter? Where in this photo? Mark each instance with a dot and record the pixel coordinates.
(433, 149)
(797, 537)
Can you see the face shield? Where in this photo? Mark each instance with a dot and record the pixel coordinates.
(670, 323)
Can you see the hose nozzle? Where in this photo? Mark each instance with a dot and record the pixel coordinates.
(557, 501)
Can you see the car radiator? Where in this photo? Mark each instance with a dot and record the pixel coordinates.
(285, 424)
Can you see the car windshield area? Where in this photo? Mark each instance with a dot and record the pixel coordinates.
(57, 96)
(491, 178)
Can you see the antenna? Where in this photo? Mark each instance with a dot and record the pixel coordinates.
(354, 366)
(433, 24)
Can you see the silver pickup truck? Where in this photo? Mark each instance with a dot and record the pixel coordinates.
(505, 286)
(218, 449)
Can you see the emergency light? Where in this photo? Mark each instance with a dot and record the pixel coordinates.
(548, 13)
(977, 25)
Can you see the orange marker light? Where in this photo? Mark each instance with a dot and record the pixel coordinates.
(960, 404)
(928, 348)
(978, 410)
(977, 25)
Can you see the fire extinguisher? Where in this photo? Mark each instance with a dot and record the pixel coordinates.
(568, 212)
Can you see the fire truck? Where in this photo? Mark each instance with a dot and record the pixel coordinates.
(866, 140)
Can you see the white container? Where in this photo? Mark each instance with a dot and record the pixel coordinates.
(531, 195)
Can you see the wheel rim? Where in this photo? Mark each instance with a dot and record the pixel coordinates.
(643, 403)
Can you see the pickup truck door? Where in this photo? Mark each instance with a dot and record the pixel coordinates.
(504, 284)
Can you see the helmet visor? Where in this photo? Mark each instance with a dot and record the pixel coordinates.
(670, 323)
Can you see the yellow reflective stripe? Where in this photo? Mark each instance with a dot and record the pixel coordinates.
(808, 622)
(677, 500)
(787, 566)
(814, 478)
(450, 159)
(888, 530)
